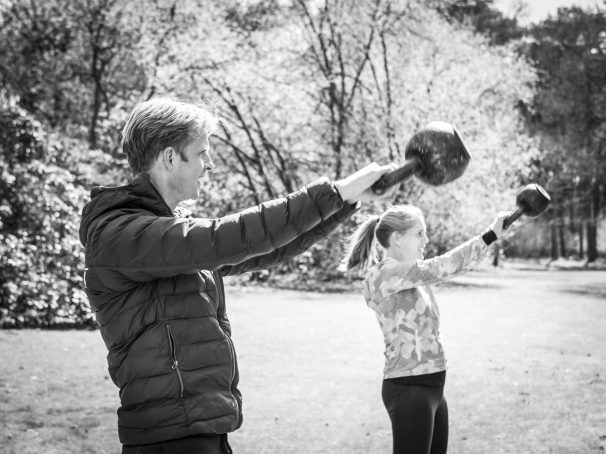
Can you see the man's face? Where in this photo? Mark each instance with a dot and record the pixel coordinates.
(189, 173)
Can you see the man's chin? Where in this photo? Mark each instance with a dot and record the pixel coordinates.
(190, 201)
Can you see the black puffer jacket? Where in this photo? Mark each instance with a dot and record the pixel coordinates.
(154, 282)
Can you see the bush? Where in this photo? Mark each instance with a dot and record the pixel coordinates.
(40, 203)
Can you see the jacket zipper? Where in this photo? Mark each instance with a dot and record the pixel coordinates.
(219, 285)
(173, 355)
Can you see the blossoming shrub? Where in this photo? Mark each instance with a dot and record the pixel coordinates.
(41, 259)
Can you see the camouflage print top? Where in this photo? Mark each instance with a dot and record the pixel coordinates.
(407, 310)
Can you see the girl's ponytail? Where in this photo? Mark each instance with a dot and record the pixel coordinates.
(360, 249)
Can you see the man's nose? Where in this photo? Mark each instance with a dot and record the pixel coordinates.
(208, 163)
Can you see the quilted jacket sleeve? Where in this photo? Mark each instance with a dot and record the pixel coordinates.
(295, 247)
(142, 247)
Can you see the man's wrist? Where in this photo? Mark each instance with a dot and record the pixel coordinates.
(335, 185)
(343, 191)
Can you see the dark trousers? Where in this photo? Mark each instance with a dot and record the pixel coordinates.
(418, 412)
(190, 445)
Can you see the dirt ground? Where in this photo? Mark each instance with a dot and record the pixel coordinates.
(527, 372)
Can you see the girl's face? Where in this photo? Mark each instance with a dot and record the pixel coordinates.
(410, 245)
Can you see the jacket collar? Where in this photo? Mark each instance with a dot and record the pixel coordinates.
(150, 196)
(139, 194)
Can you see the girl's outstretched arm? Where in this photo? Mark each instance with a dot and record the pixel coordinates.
(391, 276)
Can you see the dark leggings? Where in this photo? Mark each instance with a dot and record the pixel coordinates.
(419, 415)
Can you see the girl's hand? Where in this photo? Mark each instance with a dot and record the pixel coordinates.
(497, 224)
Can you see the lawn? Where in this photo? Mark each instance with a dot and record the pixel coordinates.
(527, 372)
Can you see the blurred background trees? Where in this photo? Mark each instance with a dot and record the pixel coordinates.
(568, 116)
(565, 118)
(305, 89)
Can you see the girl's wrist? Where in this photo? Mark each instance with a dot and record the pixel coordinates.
(489, 237)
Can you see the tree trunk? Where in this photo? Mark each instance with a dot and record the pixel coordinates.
(554, 241)
(581, 239)
(592, 243)
(495, 257)
(592, 226)
(96, 106)
(562, 238)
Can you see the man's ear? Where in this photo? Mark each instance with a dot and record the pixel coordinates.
(167, 157)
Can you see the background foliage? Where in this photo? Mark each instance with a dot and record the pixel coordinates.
(305, 89)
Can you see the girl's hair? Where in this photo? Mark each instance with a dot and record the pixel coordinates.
(362, 249)
(159, 123)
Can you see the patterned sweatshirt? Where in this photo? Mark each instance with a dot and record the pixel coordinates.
(407, 310)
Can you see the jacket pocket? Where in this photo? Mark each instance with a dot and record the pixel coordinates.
(173, 356)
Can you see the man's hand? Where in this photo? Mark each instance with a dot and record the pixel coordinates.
(357, 186)
(497, 224)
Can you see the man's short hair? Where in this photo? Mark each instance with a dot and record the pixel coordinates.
(159, 123)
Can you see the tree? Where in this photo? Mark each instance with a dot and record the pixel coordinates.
(40, 202)
(568, 116)
(70, 62)
(340, 37)
(304, 89)
(485, 18)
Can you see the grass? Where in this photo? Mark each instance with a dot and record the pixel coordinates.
(526, 372)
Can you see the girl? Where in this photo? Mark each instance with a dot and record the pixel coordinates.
(396, 286)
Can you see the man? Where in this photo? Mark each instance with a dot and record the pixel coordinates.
(154, 277)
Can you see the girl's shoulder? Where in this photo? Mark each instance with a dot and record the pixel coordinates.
(388, 266)
(387, 276)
